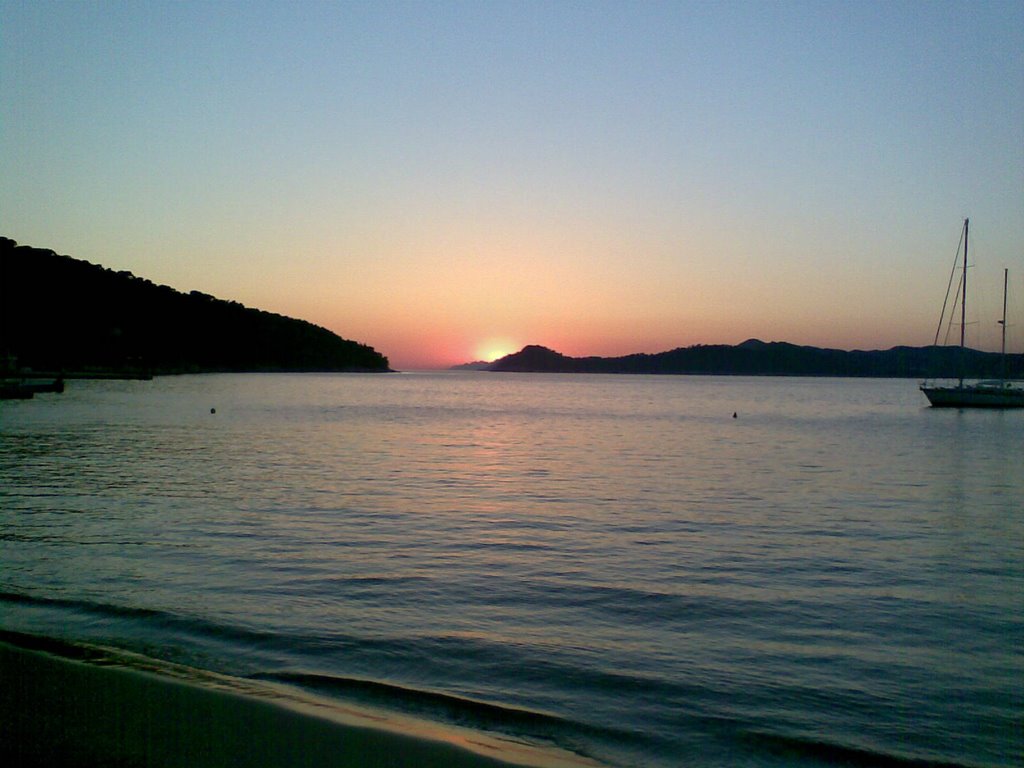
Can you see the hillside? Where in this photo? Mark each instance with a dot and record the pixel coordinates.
(754, 357)
(63, 314)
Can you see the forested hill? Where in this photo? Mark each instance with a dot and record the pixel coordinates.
(755, 357)
(63, 314)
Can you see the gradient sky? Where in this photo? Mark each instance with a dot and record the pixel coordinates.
(451, 181)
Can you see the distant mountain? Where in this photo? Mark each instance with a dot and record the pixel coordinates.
(478, 365)
(59, 313)
(755, 357)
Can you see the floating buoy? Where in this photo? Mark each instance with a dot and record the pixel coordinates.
(214, 410)
(734, 414)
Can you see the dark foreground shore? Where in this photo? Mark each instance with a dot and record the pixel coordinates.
(59, 711)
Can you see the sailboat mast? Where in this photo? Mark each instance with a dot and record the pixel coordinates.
(963, 308)
(1002, 351)
(963, 293)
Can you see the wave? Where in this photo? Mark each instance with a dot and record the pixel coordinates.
(532, 725)
(795, 747)
(102, 655)
(162, 619)
(53, 646)
(454, 708)
(464, 710)
(619, 603)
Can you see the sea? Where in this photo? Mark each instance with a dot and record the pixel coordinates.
(639, 570)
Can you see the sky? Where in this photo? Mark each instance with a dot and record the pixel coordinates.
(450, 181)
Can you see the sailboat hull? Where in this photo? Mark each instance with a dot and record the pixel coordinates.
(974, 397)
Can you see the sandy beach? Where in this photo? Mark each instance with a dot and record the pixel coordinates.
(64, 711)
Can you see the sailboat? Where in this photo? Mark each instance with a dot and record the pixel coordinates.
(997, 393)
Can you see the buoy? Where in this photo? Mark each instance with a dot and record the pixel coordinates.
(214, 410)
(734, 414)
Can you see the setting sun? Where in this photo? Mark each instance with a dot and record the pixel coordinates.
(492, 349)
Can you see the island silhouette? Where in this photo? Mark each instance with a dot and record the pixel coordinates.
(61, 314)
(759, 358)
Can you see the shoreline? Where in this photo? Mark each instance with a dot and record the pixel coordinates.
(62, 704)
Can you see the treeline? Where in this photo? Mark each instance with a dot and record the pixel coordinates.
(758, 358)
(63, 314)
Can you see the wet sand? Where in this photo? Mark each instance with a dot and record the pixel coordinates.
(61, 711)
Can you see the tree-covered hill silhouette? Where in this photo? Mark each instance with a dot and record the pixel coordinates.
(754, 357)
(58, 313)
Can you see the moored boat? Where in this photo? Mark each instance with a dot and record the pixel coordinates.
(998, 393)
(983, 394)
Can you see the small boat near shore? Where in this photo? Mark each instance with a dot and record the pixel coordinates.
(994, 393)
(25, 389)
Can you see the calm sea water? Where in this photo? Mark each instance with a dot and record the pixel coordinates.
(613, 565)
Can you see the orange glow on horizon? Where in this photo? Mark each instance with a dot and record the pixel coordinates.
(490, 350)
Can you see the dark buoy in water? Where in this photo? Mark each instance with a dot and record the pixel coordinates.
(213, 410)
(734, 414)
